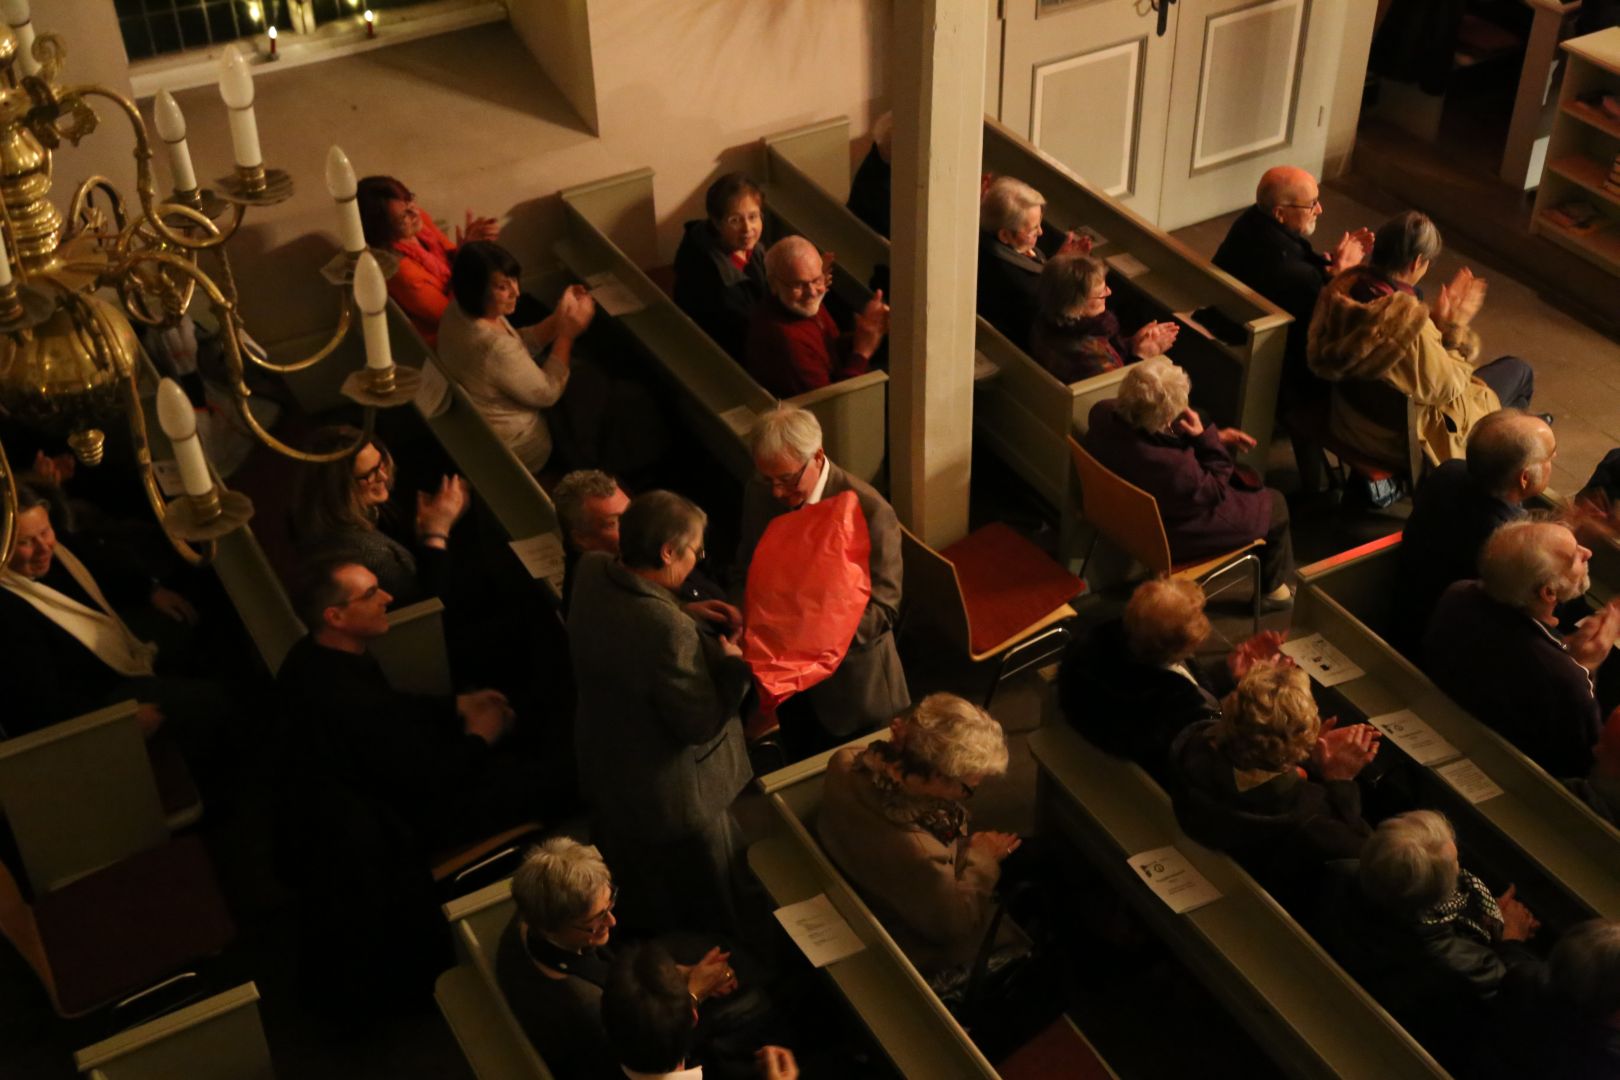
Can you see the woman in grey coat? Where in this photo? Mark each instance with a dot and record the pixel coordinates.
(661, 752)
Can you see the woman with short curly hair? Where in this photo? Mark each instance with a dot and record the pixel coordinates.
(1270, 783)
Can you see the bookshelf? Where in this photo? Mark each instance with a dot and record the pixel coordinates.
(1583, 154)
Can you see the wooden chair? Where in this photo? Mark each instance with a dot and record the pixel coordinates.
(117, 905)
(219, 1038)
(1388, 407)
(994, 596)
(1129, 518)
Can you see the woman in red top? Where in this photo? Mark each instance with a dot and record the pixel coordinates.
(393, 221)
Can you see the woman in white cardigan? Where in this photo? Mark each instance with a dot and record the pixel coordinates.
(499, 367)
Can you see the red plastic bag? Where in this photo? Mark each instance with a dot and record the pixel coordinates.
(808, 585)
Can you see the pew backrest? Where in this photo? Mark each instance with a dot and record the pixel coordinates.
(469, 995)
(413, 654)
(218, 1038)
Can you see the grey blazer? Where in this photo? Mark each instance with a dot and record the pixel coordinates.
(660, 748)
(869, 687)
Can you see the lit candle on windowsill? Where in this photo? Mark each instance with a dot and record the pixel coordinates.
(179, 422)
(371, 23)
(273, 54)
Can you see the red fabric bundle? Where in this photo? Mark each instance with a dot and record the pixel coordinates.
(808, 585)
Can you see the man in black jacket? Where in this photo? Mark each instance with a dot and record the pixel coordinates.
(1268, 248)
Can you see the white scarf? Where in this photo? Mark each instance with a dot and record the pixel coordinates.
(102, 632)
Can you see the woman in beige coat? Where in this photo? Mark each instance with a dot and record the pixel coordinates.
(893, 818)
(1371, 325)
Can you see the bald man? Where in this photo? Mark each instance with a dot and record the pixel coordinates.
(1268, 248)
(793, 344)
(1460, 504)
(1496, 646)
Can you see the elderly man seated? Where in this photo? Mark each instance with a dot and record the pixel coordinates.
(555, 956)
(894, 818)
(430, 760)
(1268, 248)
(792, 470)
(1239, 783)
(1566, 1014)
(1496, 646)
(1150, 436)
(1132, 685)
(1459, 505)
(1425, 937)
(793, 343)
(69, 648)
(1011, 258)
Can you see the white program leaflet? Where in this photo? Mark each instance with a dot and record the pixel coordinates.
(1469, 780)
(616, 298)
(819, 931)
(542, 557)
(1407, 730)
(1321, 660)
(167, 472)
(1173, 879)
(1127, 264)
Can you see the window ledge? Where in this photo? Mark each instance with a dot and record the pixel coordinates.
(347, 37)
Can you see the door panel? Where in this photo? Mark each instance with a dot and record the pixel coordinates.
(1099, 141)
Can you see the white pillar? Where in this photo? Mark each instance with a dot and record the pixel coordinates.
(938, 97)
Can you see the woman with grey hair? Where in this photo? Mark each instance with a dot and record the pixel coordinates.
(1150, 436)
(1425, 937)
(554, 957)
(1010, 263)
(657, 736)
(1271, 784)
(1075, 336)
(1372, 326)
(894, 818)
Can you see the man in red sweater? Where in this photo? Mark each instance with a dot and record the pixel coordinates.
(793, 344)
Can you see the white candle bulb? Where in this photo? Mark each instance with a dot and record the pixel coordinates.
(5, 261)
(236, 88)
(371, 294)
(20, 18)
(171, 128)
(340, 182)
(179, 422)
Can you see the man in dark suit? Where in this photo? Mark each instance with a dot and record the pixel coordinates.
(1459, 505)
(869, 687)
(1496, 647)
(1268, 248)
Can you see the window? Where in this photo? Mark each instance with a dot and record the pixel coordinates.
(158, 27)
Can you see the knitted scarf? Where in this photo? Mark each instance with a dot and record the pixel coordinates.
(945, 819)
(1471, 910)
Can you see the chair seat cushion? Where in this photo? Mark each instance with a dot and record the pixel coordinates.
(127, 926)
(1008, 584)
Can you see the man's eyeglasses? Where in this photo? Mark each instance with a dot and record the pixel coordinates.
(595, 922)
(785, 483)
(1316, 205)
(369, 594)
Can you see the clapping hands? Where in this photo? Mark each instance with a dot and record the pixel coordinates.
(575, 310)
(711, 976)
(1079, 244)
(1154, 339)
(1460, 300)
(1589, 643)
(1341, 753)
(870, 325)
(477, 228)
(436, 513)
(1351, 250)
(1264, 648)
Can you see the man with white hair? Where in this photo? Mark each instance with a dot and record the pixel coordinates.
(793, 343)
(792, 470)
(1268, 248)
(1010, 258)
(1495, 645)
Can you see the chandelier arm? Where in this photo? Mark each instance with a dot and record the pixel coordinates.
(86, 189)
(145, 185)
(8, 510)
(154, 492)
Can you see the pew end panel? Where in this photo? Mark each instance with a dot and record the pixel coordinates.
(1290, 996)
(854, 416)
(412, 654)
(1361, 579)
(258, 596)
(474, 1011)
(819, 152)
(218, 1038)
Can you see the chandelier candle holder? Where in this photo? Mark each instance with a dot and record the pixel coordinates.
(73, 289)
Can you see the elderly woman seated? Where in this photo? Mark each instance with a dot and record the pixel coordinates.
(1150, 436)
(1239, 783)
(1010, 261)
(720, 265)
(1372, 326)
(894, 818)
(1075, 336)
(345, 505)
(495, 363)
(1565, 1015)
(1424, 936)
(1132, 685)
(555, 955)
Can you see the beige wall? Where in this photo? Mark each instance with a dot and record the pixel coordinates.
(558, 34)
(470, 120)
(1355, 43)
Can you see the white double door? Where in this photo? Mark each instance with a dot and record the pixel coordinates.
(1179, 127)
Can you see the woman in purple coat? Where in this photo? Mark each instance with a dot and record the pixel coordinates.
(1152, 438)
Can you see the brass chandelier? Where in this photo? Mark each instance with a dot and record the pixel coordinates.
(73, 289)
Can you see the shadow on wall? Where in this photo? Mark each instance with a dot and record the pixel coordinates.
(295, 268)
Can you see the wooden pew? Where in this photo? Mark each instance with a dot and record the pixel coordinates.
(1237, 384)
(491, 1038)
(717, 397)
(218, 1038)
(1290, 996)
(1535, 819)
(907, 1019)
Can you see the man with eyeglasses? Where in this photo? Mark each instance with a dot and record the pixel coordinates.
(792, 470)
(793, 343)
(1268, 248)
(431, 760)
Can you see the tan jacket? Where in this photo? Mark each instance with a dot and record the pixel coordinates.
(1393, 340)
(935, 899)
